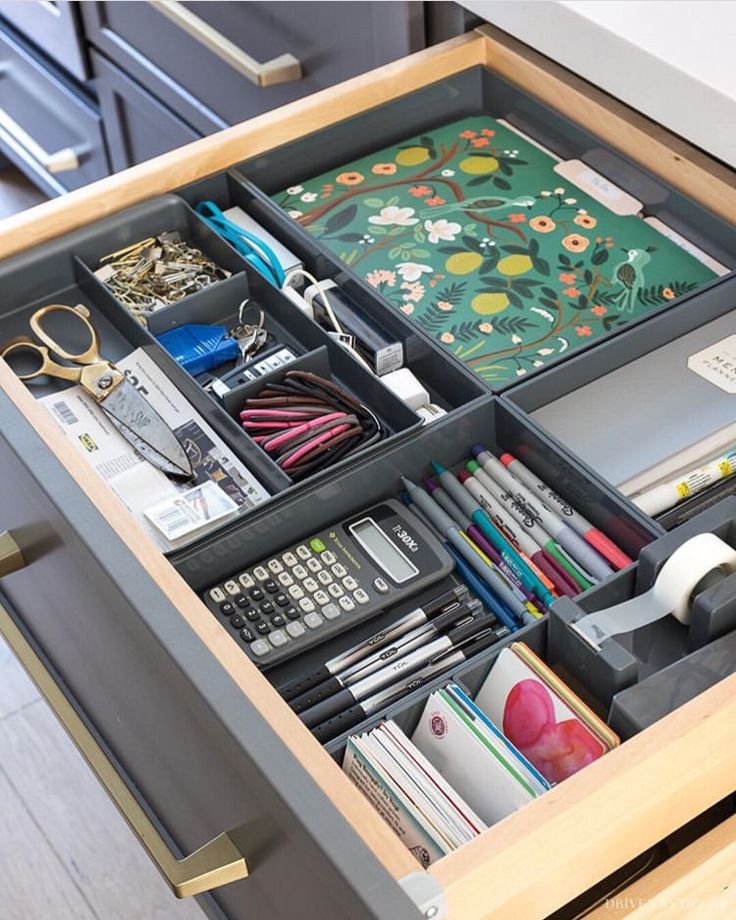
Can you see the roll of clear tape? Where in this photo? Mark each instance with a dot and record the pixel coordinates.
(673, 591)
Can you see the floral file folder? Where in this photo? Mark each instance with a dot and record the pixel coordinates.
(468, 230)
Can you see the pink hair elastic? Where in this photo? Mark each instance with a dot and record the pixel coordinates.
(307, 448)
(300, 429)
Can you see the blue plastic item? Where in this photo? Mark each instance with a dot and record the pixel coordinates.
(254, 250)
(198, 347)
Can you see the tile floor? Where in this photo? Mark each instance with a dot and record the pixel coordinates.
(65, 852)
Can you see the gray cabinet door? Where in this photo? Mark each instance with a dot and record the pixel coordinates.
(48, 128)
(196, 751)
(55, 27)
(332, 41)
(137, 126)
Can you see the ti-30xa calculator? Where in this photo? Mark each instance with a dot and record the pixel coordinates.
(329, 582)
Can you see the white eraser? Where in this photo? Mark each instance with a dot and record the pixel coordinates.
(405, 385)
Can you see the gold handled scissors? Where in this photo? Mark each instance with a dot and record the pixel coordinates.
(132, 415)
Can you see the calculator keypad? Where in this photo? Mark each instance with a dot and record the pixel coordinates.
(290, 598)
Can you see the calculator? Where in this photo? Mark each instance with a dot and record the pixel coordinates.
(329, 582)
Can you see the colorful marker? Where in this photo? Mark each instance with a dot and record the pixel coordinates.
(473, 510)
(519, 511)
(451, 532)
(583, 554)
(597, 539)
(480, 541)
(536, 555)
(467, 574)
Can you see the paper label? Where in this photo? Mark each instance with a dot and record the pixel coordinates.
(390, 358)
(598, 187)
(717, 364)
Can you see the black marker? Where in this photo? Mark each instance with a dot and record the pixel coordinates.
(389, 674)
(349, 718)
(417, 617)
(457, 615)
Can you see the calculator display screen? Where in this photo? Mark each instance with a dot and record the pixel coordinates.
(378, 546)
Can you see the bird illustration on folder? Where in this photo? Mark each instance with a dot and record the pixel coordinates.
(468, 230)
(629, 274)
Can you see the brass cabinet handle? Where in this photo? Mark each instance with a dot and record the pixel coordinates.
(283, 69)
(11, 558)
(218, 862)
(60, 161)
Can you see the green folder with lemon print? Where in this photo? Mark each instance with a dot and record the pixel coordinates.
(469, 231)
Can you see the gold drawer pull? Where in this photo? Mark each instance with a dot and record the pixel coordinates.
(11, 558)
(283, 69)
(218, 862)
(60, 161)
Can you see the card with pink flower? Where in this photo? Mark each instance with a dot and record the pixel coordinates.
(469, 231)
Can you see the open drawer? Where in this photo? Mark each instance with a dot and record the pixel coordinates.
(202, 737)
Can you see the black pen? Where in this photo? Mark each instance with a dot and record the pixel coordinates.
(451, 618)
(417, 617)
(353, 716)
(361, 690)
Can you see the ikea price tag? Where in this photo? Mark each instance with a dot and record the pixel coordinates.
(717, 364)
(186, 513)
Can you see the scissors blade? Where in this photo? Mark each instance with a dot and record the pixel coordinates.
(149, 453)
(139, 423)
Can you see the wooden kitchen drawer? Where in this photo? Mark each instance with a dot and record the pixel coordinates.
(315, 846)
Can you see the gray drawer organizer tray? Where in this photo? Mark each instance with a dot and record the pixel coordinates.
(62, 272)
(577, 403)
(488, 421)
(643, 675)
(471, 92)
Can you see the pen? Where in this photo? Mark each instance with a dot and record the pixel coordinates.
(409, 621)
(581, 552)
(597, 539)
(509, 555)
(476, 584)
(481, 590)
(366, 687)
(666, 495)
(412, 640)
(525, 517)
(479, 540)
(353, 716)
(450, 531)
(535, 554)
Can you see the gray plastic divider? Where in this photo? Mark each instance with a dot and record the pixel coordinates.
(474, 91)
(449, 383)
(393, 414)
(489, 421)
(643, 704)
(569, 380)
(469, 675)
(695, 310)
(628, 659)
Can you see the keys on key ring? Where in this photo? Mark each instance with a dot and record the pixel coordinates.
(250, 337)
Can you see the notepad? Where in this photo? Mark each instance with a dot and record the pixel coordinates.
(470, 230)
(411, 795)
(541, 715)
(482, 768)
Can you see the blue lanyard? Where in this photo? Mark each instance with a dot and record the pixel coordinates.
(253, 249)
